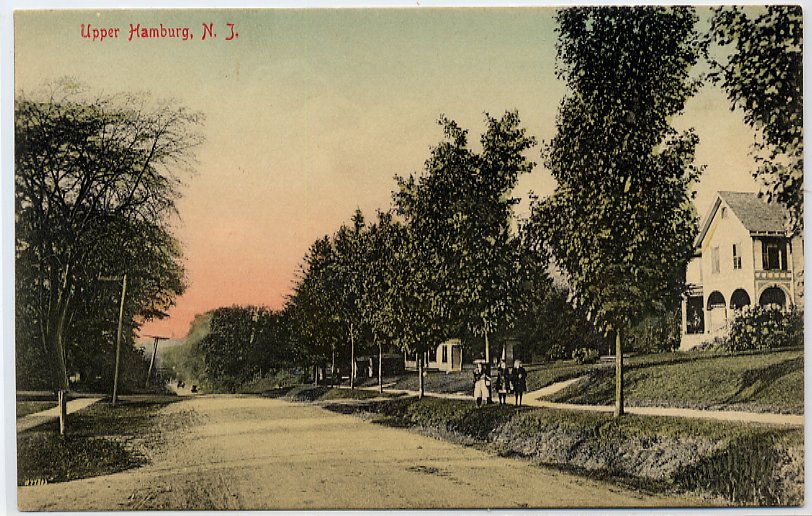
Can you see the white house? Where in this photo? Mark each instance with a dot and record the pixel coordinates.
(447, 357)
(743, 255)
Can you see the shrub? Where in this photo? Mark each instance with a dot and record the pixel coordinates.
(765, 327)
(585, 356)
(557, 352)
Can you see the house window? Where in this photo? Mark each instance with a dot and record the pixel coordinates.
(715, 260)
(737, 256)
(445, 354)
(724, 213)
(774, 255)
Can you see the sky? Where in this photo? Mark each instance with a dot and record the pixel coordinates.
(310, 114)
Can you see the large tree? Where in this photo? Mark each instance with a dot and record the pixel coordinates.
(758, 61)
(317, 328)
(458, 223)
(620, 223)
(94, 176)
(345, 274)
(381, 248)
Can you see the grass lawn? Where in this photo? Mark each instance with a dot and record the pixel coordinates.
(25, 408)
(765, 381)
(100, 441)
(435, 381)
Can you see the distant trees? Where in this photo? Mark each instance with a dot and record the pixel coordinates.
(96, 180)
(244, 342)
(621, 223)
(761, 70)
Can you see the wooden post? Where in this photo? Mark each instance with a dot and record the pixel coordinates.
(118, 338)
(380, 366)
(618, 375)
(63, 411)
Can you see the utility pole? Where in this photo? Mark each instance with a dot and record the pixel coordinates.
(118, 334)
(154, 353)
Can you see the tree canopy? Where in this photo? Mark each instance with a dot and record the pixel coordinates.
(761, 70)
(96, 184)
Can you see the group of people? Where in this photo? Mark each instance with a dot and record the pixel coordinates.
(504, 382)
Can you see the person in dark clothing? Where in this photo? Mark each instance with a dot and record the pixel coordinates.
(501, 383)
(519, 381)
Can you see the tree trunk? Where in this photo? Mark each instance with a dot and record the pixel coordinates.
(315, 374)
(54, 339)
(352, 359)
(618, 375)
(333, 369)
(487, 344)
(380, 366)
(420, 372)
(488, 365)
(56, 346)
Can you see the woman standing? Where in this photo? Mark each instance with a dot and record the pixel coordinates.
(519, 380)
(481, 383)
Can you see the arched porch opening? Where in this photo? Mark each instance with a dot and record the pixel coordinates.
(739, 299)
(717, 311)
(773, 296)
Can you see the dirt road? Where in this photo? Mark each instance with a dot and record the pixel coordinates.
(254, 453)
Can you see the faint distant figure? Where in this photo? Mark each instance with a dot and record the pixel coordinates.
(501, 383)
(481, 382)
(194, 388)
(519, 381)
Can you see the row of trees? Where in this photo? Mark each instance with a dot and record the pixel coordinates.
(442, 262)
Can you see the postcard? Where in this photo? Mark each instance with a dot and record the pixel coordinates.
(534, 257)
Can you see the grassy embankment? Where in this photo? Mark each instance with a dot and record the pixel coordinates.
(102, 439)
(728, 463)
(760, 382)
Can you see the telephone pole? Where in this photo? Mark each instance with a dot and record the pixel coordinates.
(118, 334)
(154, 353)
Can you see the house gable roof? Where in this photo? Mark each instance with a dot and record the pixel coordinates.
(756, 215)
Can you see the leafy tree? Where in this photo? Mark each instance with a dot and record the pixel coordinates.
(461, 257)
(345, 274)
(382, 245)
(761, 70)
(620, 223)
(90, 175)
(316, 326)
(489, 253)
